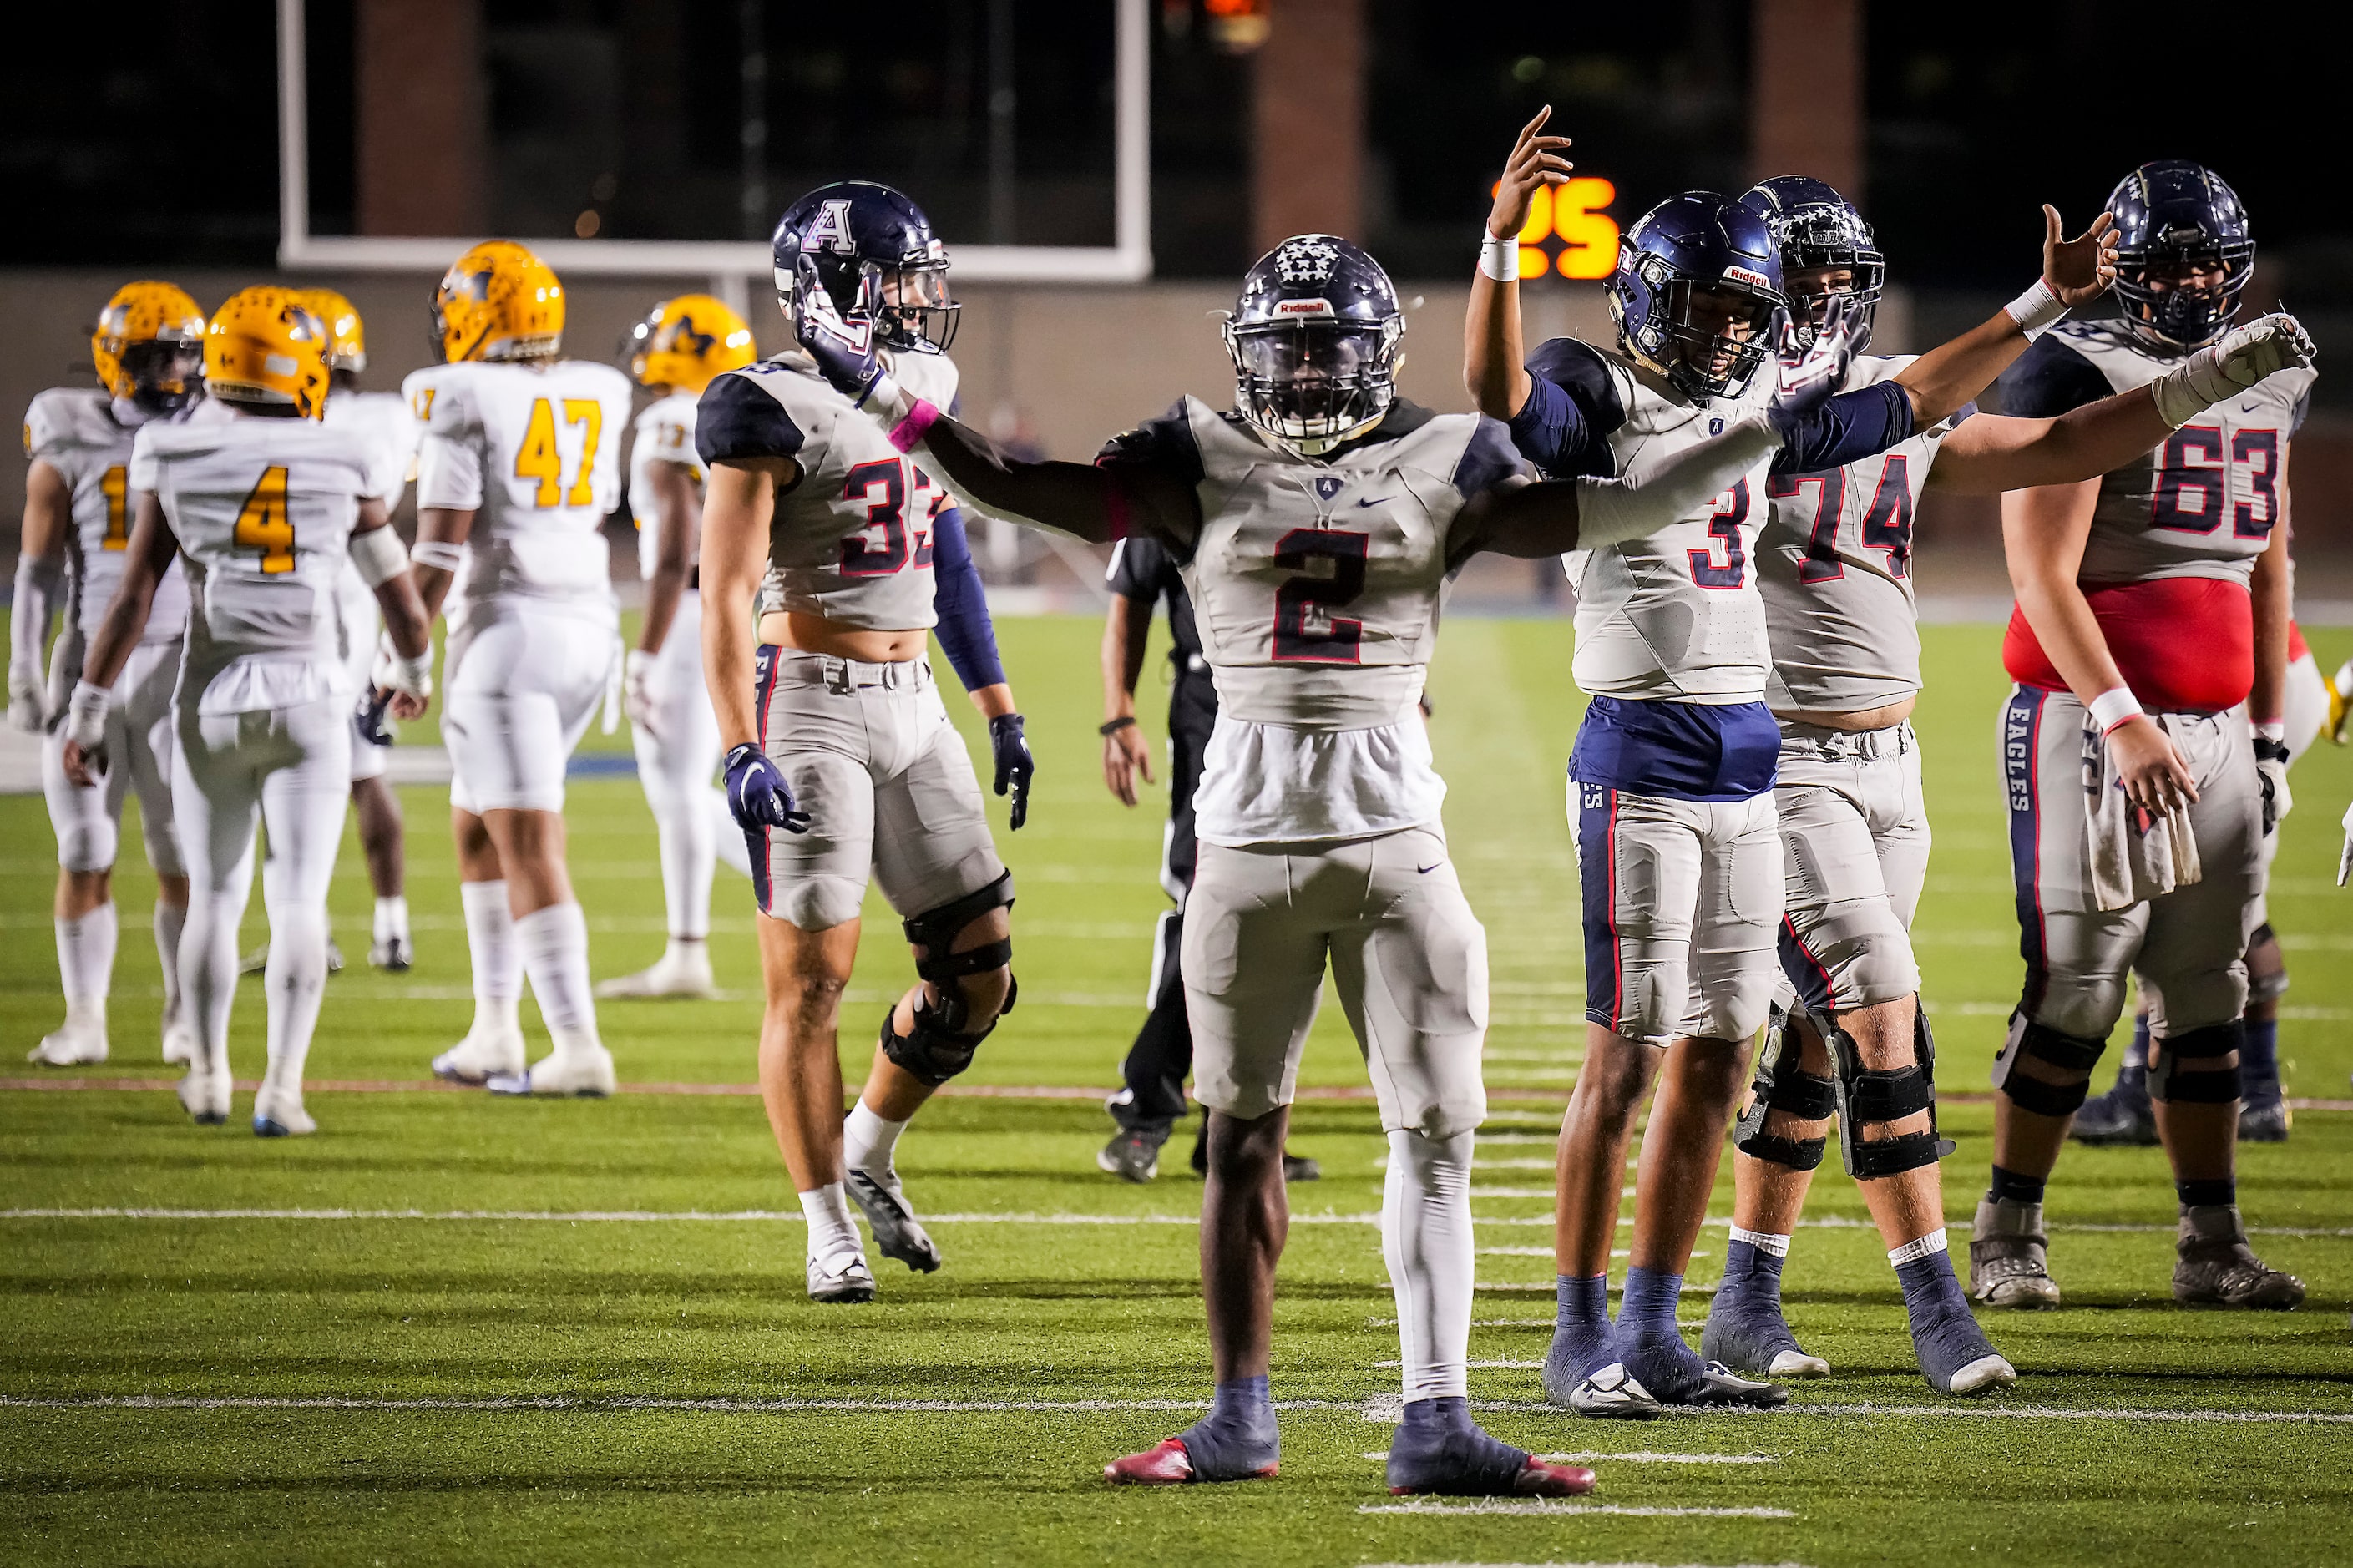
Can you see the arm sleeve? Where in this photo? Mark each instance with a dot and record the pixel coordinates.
(1564, 426)
(1165, 444)
(39, 582)
(2050, 379)
(737, 418)
(1846, 429)
(966, 634)
(1135, 566)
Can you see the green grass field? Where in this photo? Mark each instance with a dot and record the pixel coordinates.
(450, 1330)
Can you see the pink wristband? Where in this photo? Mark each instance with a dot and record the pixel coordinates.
(911, 430)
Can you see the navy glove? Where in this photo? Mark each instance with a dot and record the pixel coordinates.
(846, 353)
(1015, 766)
(367, 719)
(1813, 376)
(758, 794)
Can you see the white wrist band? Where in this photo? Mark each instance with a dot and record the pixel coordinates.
(2112, 707)
(437, 553)
(2037, 311)
(86, 714)
(2274, 731)
(1499, 259)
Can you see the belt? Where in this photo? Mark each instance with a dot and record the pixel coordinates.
(846, 675)
(1865, 745)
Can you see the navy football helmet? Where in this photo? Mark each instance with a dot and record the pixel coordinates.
(1313, 340)
(878, 258)
(2172, 215)
(1697, 293)
(1816, 228)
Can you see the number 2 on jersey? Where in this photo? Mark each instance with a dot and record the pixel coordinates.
(263, 524)
(1330, 564)
(540, 458)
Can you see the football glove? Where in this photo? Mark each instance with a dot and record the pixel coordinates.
(85, 723)
(1015, 766)
(758, 794)
(2225, 369)
(846, 353)
(1811, 377)
(637, 690)
(2271, 766)
(396, 671)
(367, 719)
(29, 708)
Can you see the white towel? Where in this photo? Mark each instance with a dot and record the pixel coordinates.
(2136, 855)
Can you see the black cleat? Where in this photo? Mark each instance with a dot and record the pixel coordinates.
(1134, 1154)
(897, 1233)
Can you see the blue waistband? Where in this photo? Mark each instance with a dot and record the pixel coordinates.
(1684, 750)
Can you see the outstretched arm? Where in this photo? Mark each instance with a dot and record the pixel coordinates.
(1949, 377)
(1494, 350)
(1531, 521)
(1096, 504)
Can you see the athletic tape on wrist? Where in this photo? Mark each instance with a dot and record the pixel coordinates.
(2272, 730)
(437, 553)
(86, 713)
(1500, 258)
(2112, 707)
(2037, 311)
(910, 431)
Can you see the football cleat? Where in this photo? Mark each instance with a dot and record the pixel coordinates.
(1134, 1154)
(845, 1279)
(2216, 1268)
(1749, 1334)
(1713, 1383)
(1955, 1357)
(677, 973)
(582, 1071)
(480, 1057)
(73, 1046)
(2265, 1123)
(392, 954)
(2121, 1116)
(279, 1114)
(2008, 1260)
(897, 1234)
(1610, 1393)
(205, 1094)
(1439, 1451)
(1166, 1464)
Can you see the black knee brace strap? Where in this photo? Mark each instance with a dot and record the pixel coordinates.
(1780, 1086)
(934, 1052)
(2196, 1068)
(934, 931)
(2068, 1053)
(1868, 1095)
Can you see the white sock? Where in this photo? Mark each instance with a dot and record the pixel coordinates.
(169, 920)
(867, 1141)
(392, 918)
(727, 839)
(830, 1230)
(1763, 1241)
(1920, 1247)
(295, 982)
(208, 972)
(498, 961)
(1426, 1240)
(685, 836)
(555, 943)
(688, 950)
(85, 965)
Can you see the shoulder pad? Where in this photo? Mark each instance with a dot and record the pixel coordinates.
(65, 416)
(1167, 443)
(1489, 458)
(1586, 374)
(740, 416)
(2050, 378)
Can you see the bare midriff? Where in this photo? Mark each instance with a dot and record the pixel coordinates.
(816, 633)
(1880, 718)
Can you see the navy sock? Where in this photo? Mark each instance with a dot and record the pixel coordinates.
(2009, 1187)
(1647, 1310)
(1752, 1272)
(1582, 1339)
(1438, 1447)
(2259, 1076)
(2207, 1193)
(1929, 1287)
(2136, 1062)
(1237, 1438)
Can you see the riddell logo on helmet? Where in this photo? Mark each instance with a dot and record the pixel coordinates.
(1303, 307)
(1742, 275)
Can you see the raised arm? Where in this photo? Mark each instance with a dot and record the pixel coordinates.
(1493, 351)
(150, 555)
(40, 592)
(1949, 377)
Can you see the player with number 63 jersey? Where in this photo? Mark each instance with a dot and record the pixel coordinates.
(520, 464)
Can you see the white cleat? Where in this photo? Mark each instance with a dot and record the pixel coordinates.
(73, 1046)
(392, 954)
(205, 1095)
(480, 1057)
(843, 1277)
(675, 974)
(279, 1114)
(1797, 1363)
(581, 1071)
(1986, 1372)
(179, 1043)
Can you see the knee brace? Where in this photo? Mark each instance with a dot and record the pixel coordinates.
(2067, 1053)
(2200, 1067)
(1781, 1086)
(1866, 1095)
(940, 1045)
(933, 1051)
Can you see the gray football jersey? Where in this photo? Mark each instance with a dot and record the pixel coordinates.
(1834, 564)
(75, 431)
(852, 540)
(1675, 615)
(2204, 503)
(1315, 582)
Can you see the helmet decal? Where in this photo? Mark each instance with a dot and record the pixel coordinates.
(1309, 260)
(832, 229)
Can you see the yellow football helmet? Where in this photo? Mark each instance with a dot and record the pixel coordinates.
(498, 301)
(687, 341)
(142, 313)
(266, 345)
(346, 334)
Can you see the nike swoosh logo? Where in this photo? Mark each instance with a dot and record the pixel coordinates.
(1425, 871)
(1377, 500)
(2249, 407)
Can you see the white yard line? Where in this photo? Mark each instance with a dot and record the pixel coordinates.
(1389, 1409)
(1643, 1458)
(1552, 1507)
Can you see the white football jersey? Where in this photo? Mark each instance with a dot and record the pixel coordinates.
(78, 432)
(852, 540)
(664, 434)
(1834, 562)
(263, 508)
(534, 452)
(384, 420)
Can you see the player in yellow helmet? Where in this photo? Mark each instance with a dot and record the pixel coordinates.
(673, 354)
(147, 346)
(519, 465)
(269, 501)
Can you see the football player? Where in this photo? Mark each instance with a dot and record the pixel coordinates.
(148, 347)
(1835, 569)
(1315, 526)
(841, 763)
(266, 503)
(675, 352)
(2150, 648)
(1673, 771)
(519, 466)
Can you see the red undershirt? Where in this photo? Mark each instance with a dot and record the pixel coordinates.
(2184, 644)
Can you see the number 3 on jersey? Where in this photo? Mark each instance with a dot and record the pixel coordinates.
(1733, 570)
(263, 524)
(540, 458)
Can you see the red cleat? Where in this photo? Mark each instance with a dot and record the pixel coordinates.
(1168, 1465)
(1540, 1479)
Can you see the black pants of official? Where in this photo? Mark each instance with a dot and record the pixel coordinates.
(1162, 1057)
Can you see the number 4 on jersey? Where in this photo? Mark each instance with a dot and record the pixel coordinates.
(262, 523)
(540, 458)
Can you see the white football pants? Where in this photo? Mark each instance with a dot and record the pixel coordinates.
(676, 760)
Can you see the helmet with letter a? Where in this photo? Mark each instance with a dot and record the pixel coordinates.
(2184, 253)
(1826, 249)
(1314, 341)
(875, 254)
(1697, 293)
